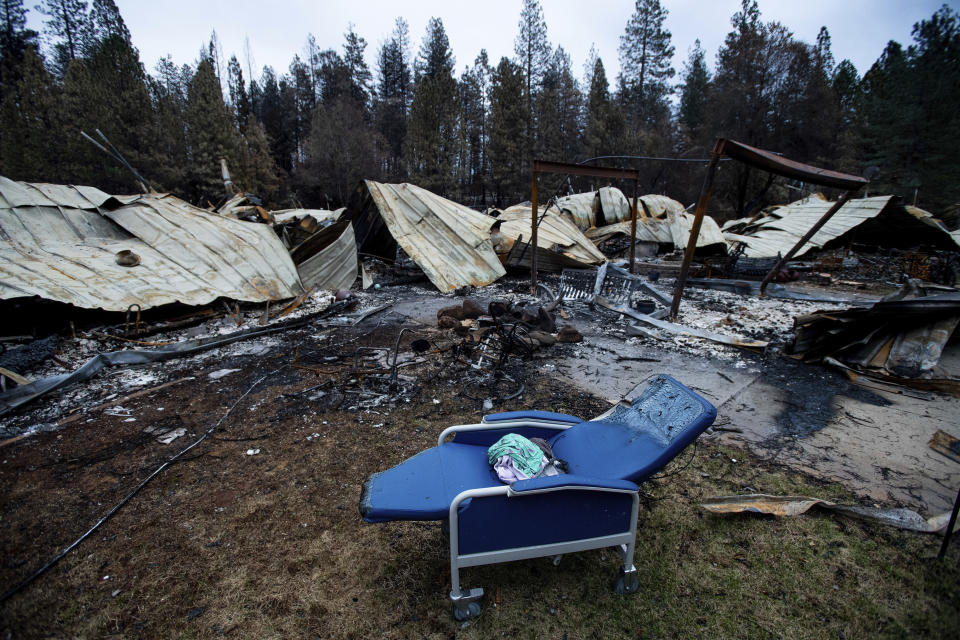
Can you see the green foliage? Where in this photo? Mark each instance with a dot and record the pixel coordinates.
(909, 113)
(645, 62)
(558, 110)
(30, 123)
(67, 28)
(604, 127)
(473, 163)
(391, 102)
(210, 135)
(472, 137)
(507, 117)
(693, 94)
(342, 151)
(430, 146)
(533, 56)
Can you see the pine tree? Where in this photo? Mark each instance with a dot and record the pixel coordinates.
(474, 89)
(693, 94)
(14, 40)
(342, 150)
(105, 21)
(168, 93)
(533, 54)
(558, 110)
(210, 135)
(848, 98)
(277, 114)
(30, 123)
(604, 122)
(430, 146)
(256, 171)
(360, 76)
(239, 100)
(909, 113)
(67, 29)
(508, 173)
(14, 35)
(645, 65)
(304, 103)
(391, 98)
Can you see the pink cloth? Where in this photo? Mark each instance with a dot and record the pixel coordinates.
(509, 474)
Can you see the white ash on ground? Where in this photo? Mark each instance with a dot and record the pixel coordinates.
(767, 319)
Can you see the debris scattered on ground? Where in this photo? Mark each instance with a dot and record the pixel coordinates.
(797, 505)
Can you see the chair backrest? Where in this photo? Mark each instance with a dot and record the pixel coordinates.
(637, 439)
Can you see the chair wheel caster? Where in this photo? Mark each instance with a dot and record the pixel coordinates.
(627, 582)
(467, 612)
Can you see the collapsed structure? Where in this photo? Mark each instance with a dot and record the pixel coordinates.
(80, 246)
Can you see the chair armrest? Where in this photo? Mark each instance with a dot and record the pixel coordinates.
(548, 417)
(487, 434)
(570, 481)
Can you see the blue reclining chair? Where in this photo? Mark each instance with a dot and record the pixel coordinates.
(591, 507)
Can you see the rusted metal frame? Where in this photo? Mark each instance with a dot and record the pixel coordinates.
(633, 227)
(533, 229)
(767, 161)
(544, 166)
(702, 202)
(949, 532)
(806, 237)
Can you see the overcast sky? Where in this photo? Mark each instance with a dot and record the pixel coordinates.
(277, 30)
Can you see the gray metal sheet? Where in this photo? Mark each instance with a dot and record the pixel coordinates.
(778, 233)
(60, 243)
(334, 266)
(449, 241)
(554, 230)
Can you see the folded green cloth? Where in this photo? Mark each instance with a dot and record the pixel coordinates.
(526, 456)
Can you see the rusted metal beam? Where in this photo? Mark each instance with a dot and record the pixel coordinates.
(702, 202)
(543, 166)
(787, 168)
(809, 234)
(533, 229)
(633, 227)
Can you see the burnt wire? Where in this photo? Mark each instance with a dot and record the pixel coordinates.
(176, 458)
(693, 454)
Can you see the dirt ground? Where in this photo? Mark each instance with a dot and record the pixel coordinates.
(255, 532)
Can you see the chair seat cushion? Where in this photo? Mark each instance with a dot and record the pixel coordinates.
(424, 486)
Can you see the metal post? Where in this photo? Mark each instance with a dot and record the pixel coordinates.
(633, 227)
(695, 229)
(949, 531)
(809, 234)
(533, 232)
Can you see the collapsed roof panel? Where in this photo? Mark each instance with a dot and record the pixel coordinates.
(328, 259)
(877, 220)
(668, 224)
(61, 243)
(449, 241)
(580, 208)
(554, 230)
(614, 206)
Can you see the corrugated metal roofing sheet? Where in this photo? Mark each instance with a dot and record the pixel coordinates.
(614, 205)
(449, 241)
(580, 208)
(333, 264)
(60, 243)
(778, 233)
(554, 229)
(672, 228)
(660, 206)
